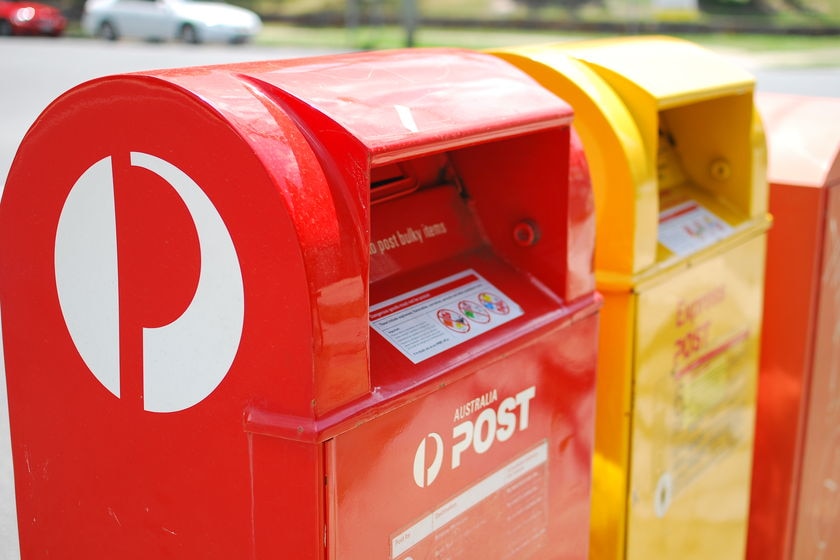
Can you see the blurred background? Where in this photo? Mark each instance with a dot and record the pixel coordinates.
(480, 23)
(791, 46)
(810, 16)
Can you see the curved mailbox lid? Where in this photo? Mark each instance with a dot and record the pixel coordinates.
(402, 103)
(803, 142)
(669, 72)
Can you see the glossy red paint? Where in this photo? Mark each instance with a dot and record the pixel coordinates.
(795, 508)
(337, 183)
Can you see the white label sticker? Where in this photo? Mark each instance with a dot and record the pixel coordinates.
(438, 316)
(517, 500)
(689, 227)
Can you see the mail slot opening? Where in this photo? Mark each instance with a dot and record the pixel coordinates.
(393, 180)
(704, 170)
(390, 181)
(453, 230)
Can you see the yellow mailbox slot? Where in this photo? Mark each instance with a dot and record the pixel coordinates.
(677, 158)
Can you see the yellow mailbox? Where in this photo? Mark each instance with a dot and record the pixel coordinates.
(677, 158)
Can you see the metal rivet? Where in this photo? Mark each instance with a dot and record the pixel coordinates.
(720, 170)
(526, 233)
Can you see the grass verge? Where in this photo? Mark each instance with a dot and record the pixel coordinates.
(389, 36)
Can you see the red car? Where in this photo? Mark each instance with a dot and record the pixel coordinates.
(30, 18)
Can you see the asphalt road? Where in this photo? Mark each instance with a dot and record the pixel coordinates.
(33, 72)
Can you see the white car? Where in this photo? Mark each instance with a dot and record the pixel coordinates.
(190, 21)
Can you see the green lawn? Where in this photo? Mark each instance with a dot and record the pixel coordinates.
(781, 11)
(390, 36)
(393, 37)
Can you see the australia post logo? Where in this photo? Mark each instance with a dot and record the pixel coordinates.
(479, 424)
(154, 312)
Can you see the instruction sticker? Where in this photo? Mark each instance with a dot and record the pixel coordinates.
(689, 227)
(503, 516)
(438, 316)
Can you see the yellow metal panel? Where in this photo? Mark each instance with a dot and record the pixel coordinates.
(760, 186)
(717, 143)
(612, 430)
(670, 71)
(696, 360)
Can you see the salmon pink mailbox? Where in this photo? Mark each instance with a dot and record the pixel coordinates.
(795, 509)
(328, 308)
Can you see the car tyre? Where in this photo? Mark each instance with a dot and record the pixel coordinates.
(188, 34)
(107, 31)
(5, 28)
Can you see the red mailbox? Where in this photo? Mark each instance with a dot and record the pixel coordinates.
(337, 307)
(795, 509)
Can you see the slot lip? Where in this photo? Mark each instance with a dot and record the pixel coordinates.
(612, 282)
(386, 397)
(389, 189)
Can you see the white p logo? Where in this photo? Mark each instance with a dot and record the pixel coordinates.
(183, 361)
(425, 475)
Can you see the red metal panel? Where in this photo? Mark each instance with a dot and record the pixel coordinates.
(99, 476)
(802, 139)
(395, 104)
(818, 505)
(794, 247)
(513, 442)
(794, 511)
